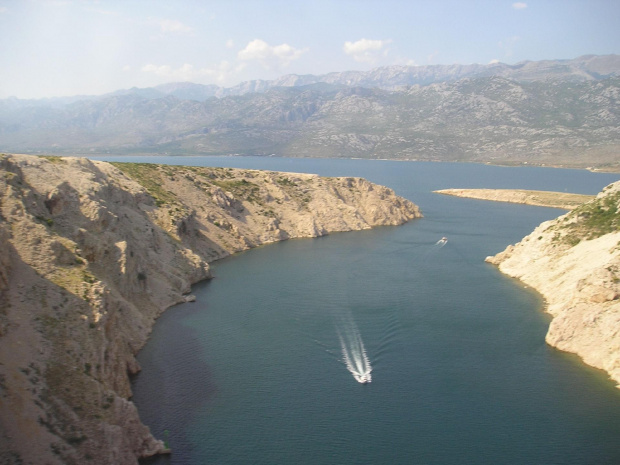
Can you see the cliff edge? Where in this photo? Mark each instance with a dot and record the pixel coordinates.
(92, 253)
(574, 262)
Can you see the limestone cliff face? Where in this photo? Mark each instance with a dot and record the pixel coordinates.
(91, 254)
(574, 262)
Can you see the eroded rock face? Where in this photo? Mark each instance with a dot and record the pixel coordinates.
(574, 262)
(92, 254)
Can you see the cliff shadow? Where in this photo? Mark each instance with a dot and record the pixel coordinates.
(176, 381)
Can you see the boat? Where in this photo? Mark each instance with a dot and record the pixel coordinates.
(442, 241)
(364, 379)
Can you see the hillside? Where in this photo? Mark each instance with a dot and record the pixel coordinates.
(574, 262)
(92, 253)
(483, 120)
(557, 112)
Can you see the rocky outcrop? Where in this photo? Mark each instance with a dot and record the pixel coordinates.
(574, 262)
(92, 253)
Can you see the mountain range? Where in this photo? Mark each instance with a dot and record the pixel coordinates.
(556, 112)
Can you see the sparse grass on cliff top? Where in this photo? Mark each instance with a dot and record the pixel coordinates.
(593, 219)
(53, 158)
(240, 188)
(148, 175)
(153, 176)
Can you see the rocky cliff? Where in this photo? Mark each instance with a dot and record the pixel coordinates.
(92, 253)
(574, 262)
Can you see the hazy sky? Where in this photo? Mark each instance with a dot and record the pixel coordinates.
(68, 47)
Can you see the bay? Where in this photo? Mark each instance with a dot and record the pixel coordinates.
(253, 372)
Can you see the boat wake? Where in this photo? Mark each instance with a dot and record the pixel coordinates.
(354, 353)
(441, 242)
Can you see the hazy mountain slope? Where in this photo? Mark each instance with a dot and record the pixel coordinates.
(584, 68)
(92, 253)
(486, 119)
(489, 119)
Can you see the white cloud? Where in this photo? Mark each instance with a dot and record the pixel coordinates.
(103, 12)
(171, 26)
(223, 73)
(519, 5)
(494, 61)
(366, 50)
(270, 56)
(230, 43)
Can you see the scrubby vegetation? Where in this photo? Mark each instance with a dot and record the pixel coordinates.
(53, 158)
(592, 220)
(148, 176)
(240, 188)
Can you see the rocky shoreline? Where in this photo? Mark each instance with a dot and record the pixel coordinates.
(574, 262)
(93, 253)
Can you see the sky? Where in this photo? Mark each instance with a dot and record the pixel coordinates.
(52, 48)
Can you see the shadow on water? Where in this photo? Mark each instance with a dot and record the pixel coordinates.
(172, 372)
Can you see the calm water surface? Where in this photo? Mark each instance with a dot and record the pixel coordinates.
(253, 372)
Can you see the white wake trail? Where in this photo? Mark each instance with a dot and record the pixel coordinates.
(354, 353)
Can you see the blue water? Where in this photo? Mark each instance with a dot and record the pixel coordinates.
(253, 372)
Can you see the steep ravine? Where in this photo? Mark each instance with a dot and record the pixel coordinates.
(92, 253)
(574, 262)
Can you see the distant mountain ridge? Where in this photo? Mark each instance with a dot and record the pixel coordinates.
(553, 112)
(585, 68)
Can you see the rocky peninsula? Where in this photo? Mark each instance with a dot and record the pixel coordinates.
(574, 262)
(92, 253)
(551, 199)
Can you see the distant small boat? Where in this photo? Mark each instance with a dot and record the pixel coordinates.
(442, 241)
(364, 379)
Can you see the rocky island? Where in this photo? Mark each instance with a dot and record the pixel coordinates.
(92, 253)
(574, 262)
